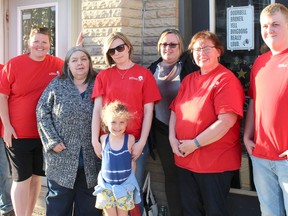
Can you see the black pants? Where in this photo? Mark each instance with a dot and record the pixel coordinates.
(167, 161)
(204, 194)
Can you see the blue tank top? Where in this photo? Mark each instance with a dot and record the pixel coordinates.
(116, 165)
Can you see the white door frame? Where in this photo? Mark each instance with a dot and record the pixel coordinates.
(3, 31)
(19, 25)
(67, 26)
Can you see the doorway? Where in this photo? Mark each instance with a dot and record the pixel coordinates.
(24, 14)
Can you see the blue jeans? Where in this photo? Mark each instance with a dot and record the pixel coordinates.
(140, 165)
(5, 181)
(140, 170)
(271, 182)
(60, 200)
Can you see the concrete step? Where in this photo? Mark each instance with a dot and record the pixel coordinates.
(240, 202)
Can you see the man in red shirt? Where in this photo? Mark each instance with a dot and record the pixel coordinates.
(266, 137)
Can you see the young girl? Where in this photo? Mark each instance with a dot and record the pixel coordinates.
(117, 190)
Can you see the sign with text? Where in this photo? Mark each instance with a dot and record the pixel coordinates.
(240, 28)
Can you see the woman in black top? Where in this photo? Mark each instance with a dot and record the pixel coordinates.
(169, 70)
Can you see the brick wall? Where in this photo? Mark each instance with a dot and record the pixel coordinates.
(142, 21)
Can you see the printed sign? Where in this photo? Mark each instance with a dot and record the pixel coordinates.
(240, 28)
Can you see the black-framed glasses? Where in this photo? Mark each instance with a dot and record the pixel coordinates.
(206, 49)
(119, 48)
(171, 45)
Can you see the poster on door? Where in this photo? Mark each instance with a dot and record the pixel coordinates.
(240, 28)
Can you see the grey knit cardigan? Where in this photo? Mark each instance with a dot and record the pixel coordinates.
(63, 116)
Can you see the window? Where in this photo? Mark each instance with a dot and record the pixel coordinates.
(37, 15)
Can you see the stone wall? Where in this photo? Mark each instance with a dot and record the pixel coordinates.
(141, 20)
(158, 16)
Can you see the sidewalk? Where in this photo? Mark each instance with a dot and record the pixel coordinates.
(40, 205)
(240, 202)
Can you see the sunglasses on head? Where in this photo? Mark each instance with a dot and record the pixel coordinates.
(119, 48)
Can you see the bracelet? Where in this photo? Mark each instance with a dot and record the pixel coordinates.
(197, 143)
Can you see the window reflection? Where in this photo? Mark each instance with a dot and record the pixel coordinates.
(44, 16)
(239, 61)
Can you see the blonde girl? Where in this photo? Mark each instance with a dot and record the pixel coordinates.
(117, 190)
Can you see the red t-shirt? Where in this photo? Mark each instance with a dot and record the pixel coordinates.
(201, 98)
(269, 89)
(24, 80)
(1, 66)
(136, 89)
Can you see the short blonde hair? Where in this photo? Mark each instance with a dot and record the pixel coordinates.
(113, 110)
(274, 8)
(109, 40)
(177, 34)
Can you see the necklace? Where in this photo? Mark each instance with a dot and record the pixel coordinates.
(123, 74)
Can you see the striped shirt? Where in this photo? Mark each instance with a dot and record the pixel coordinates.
(116, 164)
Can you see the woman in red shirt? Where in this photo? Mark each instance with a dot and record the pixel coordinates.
(204, 129)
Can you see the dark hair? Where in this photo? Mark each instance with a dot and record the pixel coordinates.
(66, 70)
(42, 30)
(207, 35)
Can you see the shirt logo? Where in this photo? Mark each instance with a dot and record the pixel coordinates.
(282, 65)
(139, 78)
(57, 73)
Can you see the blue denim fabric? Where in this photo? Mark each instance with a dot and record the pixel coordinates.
(5, 181)
(271, 182)
(140, 170)
(60, 200)
(140, 165)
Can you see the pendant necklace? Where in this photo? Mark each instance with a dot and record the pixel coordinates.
(123, 74)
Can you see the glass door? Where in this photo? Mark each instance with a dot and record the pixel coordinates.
(237, 25)
(38, 15)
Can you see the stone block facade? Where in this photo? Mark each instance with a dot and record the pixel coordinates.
(142, 21)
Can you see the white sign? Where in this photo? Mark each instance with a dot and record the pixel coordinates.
(240, 28)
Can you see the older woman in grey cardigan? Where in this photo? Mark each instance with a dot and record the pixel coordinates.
(64, 115)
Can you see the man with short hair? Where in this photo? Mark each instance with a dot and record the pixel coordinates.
(266, 129)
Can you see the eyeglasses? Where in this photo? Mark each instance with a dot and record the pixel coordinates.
(171, 45)
(206, 49)
(119, 48)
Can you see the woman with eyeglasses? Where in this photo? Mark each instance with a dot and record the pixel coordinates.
(173, 65)
(204, 129)
(134, 86)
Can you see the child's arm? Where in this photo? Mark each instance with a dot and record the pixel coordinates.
(131, 142)
(102, 140)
